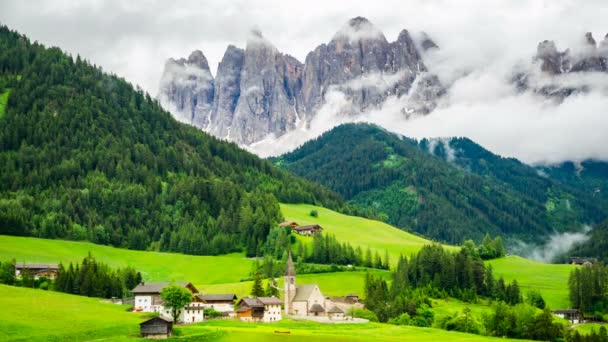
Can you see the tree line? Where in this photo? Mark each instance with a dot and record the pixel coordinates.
(588, 289)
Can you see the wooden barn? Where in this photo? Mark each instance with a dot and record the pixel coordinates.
(308, 230)
(156, 328)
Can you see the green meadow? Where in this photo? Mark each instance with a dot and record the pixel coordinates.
(233, 331)
(36, 315)
(550, 279)
(155, 266)
(358, 231)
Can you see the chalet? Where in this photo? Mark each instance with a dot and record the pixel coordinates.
(261, 309)
(290, 224)
(156, 328)
(36, 269)
(583, 261)
(573, 315)
(147, 299)
(219, 302)
(307, 230)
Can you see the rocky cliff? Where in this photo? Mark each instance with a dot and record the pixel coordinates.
(260, 91)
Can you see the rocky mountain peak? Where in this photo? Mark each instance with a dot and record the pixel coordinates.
(198, 59)
(358, 29)
(426, 43)
(589, 39)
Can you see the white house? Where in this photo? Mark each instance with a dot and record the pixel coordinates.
(147, 299)
(219, 302)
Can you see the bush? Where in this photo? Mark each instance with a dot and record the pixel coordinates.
(211, 313)
(403, 319)
(314, 213)
(363, 313)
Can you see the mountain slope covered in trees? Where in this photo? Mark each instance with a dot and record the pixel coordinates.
(404, 184)
(84, 155)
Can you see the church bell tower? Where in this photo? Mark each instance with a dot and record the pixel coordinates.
(290, 285)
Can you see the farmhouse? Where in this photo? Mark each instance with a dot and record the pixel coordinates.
(36, 269)
(157, 328)
(307, 230)
(219, 302)
(261, 309)
(573, 315)
(582, 261)
(147, 299)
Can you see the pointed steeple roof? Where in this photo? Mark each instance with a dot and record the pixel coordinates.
(291, 270)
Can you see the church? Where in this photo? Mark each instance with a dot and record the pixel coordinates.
(305, 300)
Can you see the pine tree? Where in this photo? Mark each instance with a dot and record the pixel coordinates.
(256, 289)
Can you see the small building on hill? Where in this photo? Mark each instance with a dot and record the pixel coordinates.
(261, 309)
(156, 328)
(219, 302)
(37, 270)
(583, 261)
(308, 230)
(573, 315)
(290, 224)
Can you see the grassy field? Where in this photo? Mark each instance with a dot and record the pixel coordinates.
(3, 100)
(154, 266)
(36, 315)
(550, 279)
(331, 284)
(233, 331)
(358, 231)
(587, 328)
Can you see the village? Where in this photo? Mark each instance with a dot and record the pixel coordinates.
(299, 302)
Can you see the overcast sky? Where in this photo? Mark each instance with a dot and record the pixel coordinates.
(483, 38)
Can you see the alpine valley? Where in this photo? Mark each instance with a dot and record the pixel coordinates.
(126, 216)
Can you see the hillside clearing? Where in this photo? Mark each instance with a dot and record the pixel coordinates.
(359, 231)
(3, 101)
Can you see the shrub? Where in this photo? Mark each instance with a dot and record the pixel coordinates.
(314, 213)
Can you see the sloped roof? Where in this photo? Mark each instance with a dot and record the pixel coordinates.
(308, 227)
(158, 287)
(270, 300)
(303, 292)
(218, 297)
(288, 223)
(316, 308)
(335, 309)
(33, 265)
(157, 318)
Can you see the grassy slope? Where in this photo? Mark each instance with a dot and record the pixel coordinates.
(358, 231)
(550, 279)
(35, 315)
(3, 100)
(154, 266)
(308, 331)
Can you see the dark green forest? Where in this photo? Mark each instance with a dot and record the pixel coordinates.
(402, 183)
(86, 156)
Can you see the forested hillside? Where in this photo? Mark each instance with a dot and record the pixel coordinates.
(410, 188)
(84, 155)
(571, 196)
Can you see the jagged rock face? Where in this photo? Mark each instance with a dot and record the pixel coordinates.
(555, 63)
(260, 91)
(187, 84)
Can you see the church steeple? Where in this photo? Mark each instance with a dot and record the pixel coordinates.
(290, 284)
(291, 270)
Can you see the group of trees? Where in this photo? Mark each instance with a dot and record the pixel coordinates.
(85, 156)
(593, 336)
(257, 289)
(588, 288)
(95, 279)
(326, 249)
(435, 272)
(522, 321)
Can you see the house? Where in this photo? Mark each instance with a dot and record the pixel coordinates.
(307, 230)
(147, 299)
(335, 313)
(290, 224)
(219, 302)
(36, 269)
(261, 309)
(583, 261)
(156, 328)
(573, 315)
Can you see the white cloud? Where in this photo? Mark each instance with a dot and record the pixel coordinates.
(557, 245)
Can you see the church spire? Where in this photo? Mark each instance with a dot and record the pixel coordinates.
(291, 270)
